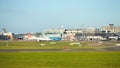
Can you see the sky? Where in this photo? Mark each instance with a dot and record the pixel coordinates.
(20, 16)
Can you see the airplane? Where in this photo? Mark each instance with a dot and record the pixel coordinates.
(41, 38)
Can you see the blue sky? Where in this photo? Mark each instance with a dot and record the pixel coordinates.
(19, 16)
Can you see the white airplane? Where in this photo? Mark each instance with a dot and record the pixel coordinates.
(41, 38)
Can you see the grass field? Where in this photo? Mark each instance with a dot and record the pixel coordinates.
(60, 60)
(48, 45)
(97, 59)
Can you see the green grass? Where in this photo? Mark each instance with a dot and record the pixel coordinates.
(32, 45)
(97, 59)
(60, 60)
(49, 45)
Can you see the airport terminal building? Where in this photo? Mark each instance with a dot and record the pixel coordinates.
(111, 28)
